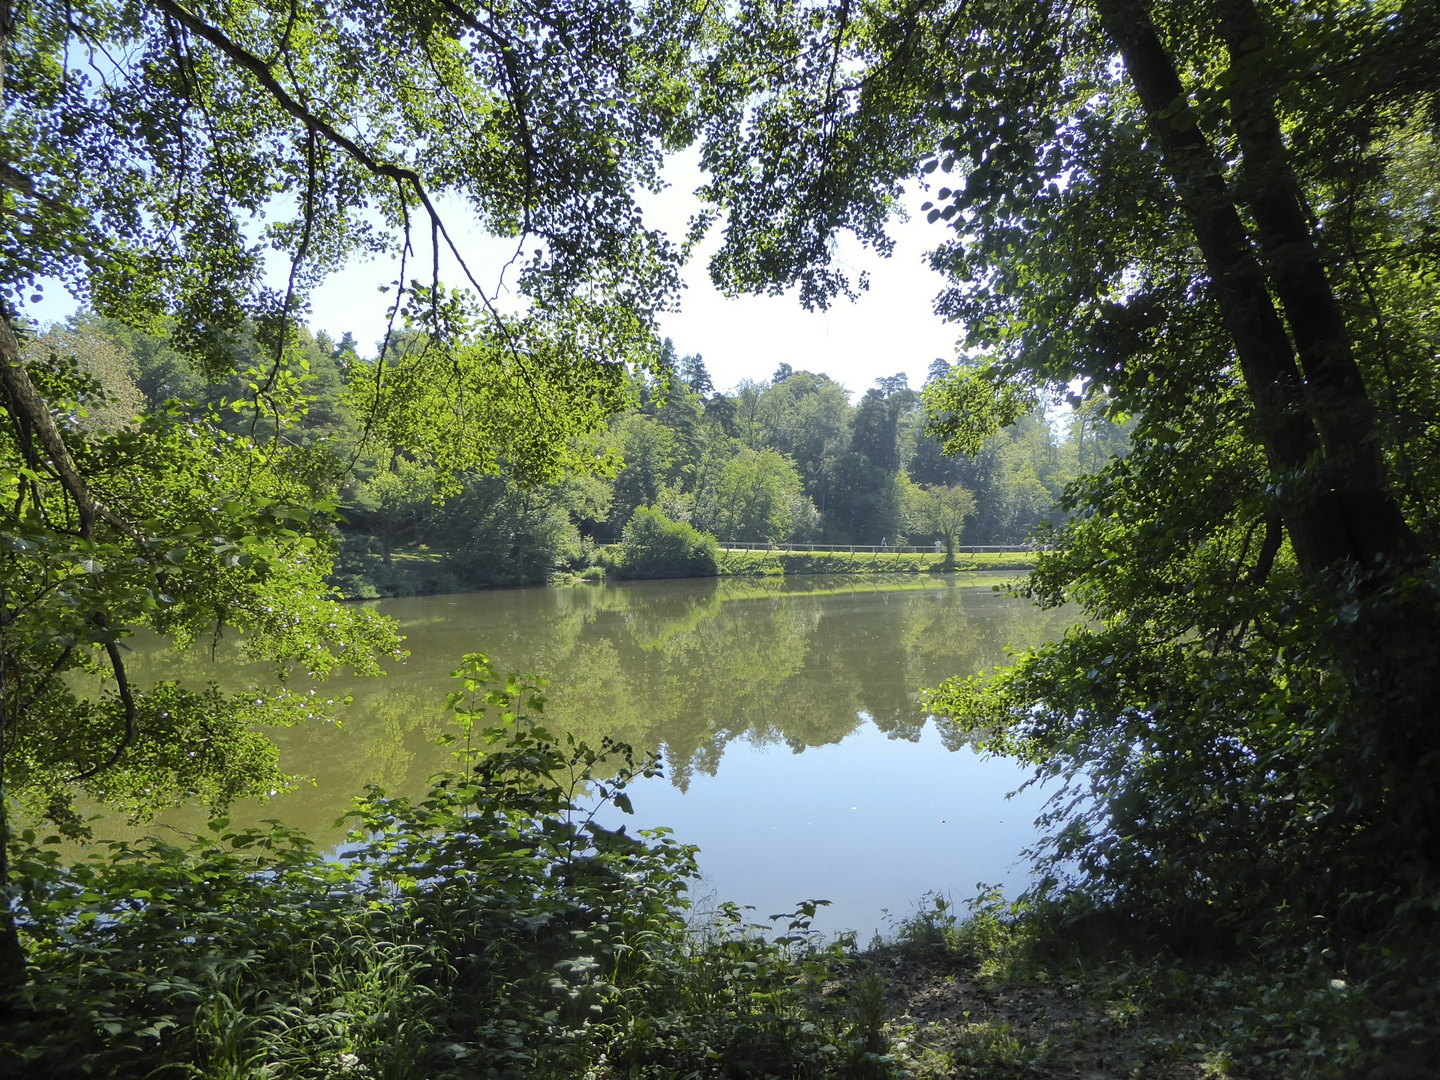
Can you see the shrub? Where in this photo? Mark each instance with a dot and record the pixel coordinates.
(490, 930)
(653, 546)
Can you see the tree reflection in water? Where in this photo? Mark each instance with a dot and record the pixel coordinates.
(681, 667)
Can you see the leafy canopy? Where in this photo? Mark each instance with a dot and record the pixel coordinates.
(1203, 219)
(163, 162)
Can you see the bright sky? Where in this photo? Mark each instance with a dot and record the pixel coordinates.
(889, 329)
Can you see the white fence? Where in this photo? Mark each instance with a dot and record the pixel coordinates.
(779, 546)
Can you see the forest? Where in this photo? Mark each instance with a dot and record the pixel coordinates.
(787, 460)
(1191, 256)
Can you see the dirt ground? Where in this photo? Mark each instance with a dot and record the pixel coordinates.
(945, 1020)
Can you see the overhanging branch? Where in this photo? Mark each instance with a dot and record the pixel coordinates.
(26, 400)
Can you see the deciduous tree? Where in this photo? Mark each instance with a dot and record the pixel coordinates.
(1191, 210)
(939, 511)
(158, 160)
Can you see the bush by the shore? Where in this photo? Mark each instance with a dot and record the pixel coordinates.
(656, 547)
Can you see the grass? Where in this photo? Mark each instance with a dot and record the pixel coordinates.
(785, 563)
(420, 572)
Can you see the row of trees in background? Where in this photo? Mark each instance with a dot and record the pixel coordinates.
(789, 459)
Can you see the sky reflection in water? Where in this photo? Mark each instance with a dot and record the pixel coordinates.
(787, 713)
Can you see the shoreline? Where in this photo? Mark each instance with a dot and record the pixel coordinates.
(412, 574)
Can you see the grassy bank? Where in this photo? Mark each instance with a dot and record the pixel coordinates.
(766, 563)
(417, 572)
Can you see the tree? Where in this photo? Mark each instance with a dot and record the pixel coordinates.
(803, 417)
(939, 511)
(756, 496)
(499, 532)
(692, 372)
(392, 501)
(158, 160)
(866, 502)
(656, 547)
(118, 400)
(875, 433)
(1018, 476)
(746, 412)
(891, 385)
(683, 414)
(1205, 234)
(648, 450)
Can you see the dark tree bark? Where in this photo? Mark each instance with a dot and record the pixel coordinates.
(1335, 393)
(12, 956)
(1267, 358)
(1312, 410)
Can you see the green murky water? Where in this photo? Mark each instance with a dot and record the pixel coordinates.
(786, 711)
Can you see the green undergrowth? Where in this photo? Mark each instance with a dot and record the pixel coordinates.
(1056, 992)
(766, 563)
(491, 929)
(495, 929)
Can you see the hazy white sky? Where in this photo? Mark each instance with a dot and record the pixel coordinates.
(890, 328)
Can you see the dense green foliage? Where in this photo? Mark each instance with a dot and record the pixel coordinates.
(492, 929)
(1230, 721)
(656, 547)
(1202, 217)
(795, 471)
(942, 511)
(161, 162)
(234, 540)
(1210, 220)
(788, 460)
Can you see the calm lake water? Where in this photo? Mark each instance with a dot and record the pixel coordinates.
(787, 714)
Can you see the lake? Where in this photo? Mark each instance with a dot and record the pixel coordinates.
(786, 712)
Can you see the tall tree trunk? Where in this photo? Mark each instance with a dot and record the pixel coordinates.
(1267, 359)
(1319, 430)
(1335, 395)
(12, 956)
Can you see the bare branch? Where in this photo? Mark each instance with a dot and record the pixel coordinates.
(28, 403)
(117, 664)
